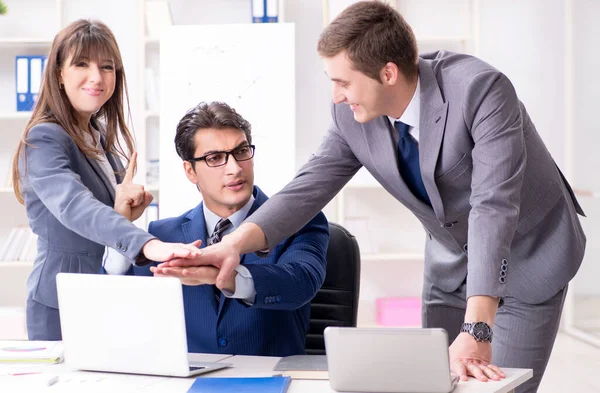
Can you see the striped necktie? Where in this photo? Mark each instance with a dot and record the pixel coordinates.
(221, 227)
(216, 237)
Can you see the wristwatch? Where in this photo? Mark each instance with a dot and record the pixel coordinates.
(480, 331)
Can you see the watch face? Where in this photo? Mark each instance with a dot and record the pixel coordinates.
(481, 331)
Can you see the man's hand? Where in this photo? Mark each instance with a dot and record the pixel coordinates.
(202, 275)
(471, 358)
(224, 256)
(131, 199)
(156, 250)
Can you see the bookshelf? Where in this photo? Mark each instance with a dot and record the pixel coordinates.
(27, 29)
(469, 26)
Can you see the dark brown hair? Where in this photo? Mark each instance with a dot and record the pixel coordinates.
(217, 115)
(372, 34)
(83, 39)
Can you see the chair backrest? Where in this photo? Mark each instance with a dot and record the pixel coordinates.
(336, 303)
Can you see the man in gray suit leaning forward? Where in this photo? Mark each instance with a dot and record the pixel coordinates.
(446, 135)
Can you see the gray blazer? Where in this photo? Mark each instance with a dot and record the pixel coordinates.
(502, 212)
(69, 205)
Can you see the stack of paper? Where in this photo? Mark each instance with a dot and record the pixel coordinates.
(31, 351)
(26, 382)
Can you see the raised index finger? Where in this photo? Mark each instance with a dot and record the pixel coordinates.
(128, 179)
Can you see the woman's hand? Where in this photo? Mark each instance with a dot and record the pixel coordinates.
(131, 199)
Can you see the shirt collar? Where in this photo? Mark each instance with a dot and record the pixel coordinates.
(413, 110)
(211, 219)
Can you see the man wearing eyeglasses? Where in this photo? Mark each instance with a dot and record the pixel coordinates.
(264, 308)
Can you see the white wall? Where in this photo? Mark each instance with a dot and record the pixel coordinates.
(194, 12)
(526, 41)
(313, 92)
(586, 101)
(124, 25)
(523, 38)
(586, 135)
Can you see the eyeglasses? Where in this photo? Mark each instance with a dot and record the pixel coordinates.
(220, 158)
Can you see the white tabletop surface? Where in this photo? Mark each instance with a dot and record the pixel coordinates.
(243, 366)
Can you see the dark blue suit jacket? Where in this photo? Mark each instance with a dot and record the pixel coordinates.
(285, 281)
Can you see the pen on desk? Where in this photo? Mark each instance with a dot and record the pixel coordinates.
(24, 373)
(51, 381)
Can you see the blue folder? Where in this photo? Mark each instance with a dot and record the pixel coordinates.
(28, 73)
(240, 385)
(264, 11)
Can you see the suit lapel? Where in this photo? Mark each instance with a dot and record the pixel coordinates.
(195, 229)
(381, 145)
(432, 125)
(114, 164)
(96, 167)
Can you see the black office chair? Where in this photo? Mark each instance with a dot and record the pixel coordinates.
(336, 303)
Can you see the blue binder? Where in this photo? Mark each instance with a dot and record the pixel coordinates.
(265, 11)
(240, 385)
(28, 73)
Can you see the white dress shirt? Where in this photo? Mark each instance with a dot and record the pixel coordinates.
(115, 263)
(411, 114)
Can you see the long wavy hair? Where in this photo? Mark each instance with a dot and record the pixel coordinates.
(82, 39)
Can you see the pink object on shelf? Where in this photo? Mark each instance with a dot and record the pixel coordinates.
(399, 311)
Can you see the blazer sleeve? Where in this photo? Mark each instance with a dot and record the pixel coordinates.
(315, 184)
(145, 270)
(49, 172)
(499, 159)
(299, 272)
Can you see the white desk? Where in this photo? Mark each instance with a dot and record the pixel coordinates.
(243, 366)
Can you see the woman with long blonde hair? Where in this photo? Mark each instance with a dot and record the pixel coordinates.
(67, 167)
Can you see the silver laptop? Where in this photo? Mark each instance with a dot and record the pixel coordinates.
(388, 360)
(126, 324)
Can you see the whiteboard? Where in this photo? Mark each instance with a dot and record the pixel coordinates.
(248, 66)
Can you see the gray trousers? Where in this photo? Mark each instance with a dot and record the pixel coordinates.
(43, 322)
(524, 334)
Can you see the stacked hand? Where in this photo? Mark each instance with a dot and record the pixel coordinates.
(131, 199)
(212, 265)
(157, 250)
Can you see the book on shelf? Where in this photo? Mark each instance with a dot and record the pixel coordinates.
(152, 102)
(20, 245)
(6, 168)
(9, 183)
(152, 212)
(29, 72)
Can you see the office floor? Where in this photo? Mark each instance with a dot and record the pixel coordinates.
(573, 367)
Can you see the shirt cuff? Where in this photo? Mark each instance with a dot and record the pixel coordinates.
(115, 263)
(244, 286)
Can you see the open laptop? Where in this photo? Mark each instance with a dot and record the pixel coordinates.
(388, 360)
(126, 324)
